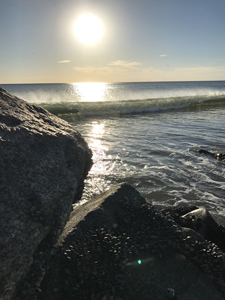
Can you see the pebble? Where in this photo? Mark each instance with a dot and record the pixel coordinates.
(180, 257)
(170, 293)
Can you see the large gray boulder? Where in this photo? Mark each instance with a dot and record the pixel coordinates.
(43, 163)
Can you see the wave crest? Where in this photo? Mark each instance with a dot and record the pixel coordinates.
(117, 108)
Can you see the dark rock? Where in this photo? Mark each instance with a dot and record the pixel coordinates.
(177, 211)
(196, 236)
(170, 293)
(43, 162)
(201, 221)
(103, 210)
(219, 156)
(142, 257)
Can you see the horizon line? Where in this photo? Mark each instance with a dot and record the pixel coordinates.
(113, 82)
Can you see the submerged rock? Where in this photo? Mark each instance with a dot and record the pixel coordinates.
(147, 255)
(219, 156)
(43, 163)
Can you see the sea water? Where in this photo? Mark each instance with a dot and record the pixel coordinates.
(146, 134)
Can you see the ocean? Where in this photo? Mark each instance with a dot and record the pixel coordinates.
(146, 134)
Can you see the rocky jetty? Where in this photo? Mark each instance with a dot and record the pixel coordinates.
(43, 163)
(116, 246)
(119, 247)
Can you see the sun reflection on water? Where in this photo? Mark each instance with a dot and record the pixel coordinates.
(103, 164)
(99, 151)
(91, 91)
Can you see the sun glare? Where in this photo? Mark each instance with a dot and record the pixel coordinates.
(91, 91)
(88, 29)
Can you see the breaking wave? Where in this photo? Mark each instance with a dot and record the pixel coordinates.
(139, 106)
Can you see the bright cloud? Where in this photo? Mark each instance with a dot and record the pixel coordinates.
(63, 61)
(162, 55)
(125, 64)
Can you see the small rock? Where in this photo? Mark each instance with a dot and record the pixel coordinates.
(180, 257)
(170, 293)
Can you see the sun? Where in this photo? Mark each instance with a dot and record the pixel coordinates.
(88, 29)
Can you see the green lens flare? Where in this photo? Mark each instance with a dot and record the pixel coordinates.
(139, 261)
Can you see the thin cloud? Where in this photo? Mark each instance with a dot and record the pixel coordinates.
(124, 63)
(63, 61)
(162, 55)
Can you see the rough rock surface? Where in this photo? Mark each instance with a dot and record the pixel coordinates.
(201, 221)
(118, 246)
(43, 162)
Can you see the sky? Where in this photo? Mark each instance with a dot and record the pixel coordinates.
(143, 40)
